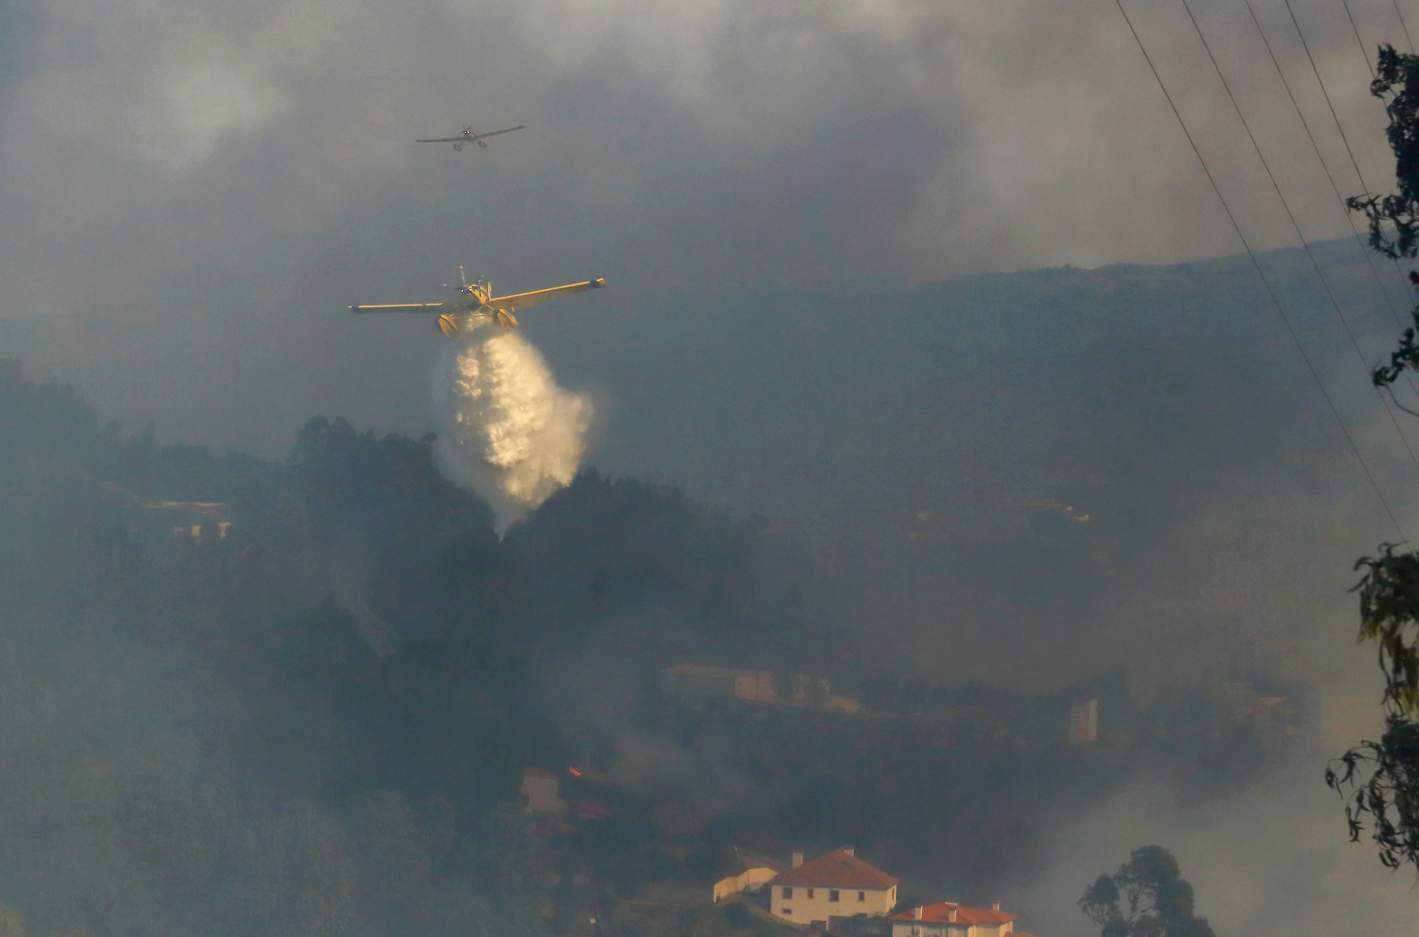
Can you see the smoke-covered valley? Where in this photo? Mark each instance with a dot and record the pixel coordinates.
(981, 502)
(1041, 566)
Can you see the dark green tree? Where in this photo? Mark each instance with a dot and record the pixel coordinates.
(1380, 779)
(1394, 218)
(1146, 897)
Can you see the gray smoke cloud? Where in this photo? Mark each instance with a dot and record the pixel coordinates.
(193, 193)
(594, 694)
(506, 428)
(1274, 860)
(349, 562)
(182, 183)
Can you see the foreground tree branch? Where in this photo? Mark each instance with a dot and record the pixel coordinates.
(1379, 781)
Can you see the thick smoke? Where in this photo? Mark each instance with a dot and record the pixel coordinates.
(1271, 861)
(506, 429)
(348, 567)
(666, 145)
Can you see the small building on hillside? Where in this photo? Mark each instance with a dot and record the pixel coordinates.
(836, 884)
(1084, 721)
(195, 521)
(948, 919)
(542, 792)
(703, 681)
(756, 686)
(752, 869)
(749, 880)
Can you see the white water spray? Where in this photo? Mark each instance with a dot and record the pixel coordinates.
(507, 430)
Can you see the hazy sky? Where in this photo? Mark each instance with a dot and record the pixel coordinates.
(1268, 861)
(192, 193)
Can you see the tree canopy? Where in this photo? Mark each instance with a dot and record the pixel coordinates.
(1380, 779)
(1146, 897)
(1394, 218)
(206, 732)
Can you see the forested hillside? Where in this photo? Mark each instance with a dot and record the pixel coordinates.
(308, 711)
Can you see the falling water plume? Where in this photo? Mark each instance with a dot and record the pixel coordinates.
(507, 430)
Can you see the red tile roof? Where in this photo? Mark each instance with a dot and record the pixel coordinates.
(837, 869)
(940, 913)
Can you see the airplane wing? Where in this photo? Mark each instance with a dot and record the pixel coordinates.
(401, 307)
(469, 138)
(494, 133)
(523, 300)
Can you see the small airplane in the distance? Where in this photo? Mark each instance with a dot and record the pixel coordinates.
(477, 302)
(468, 136)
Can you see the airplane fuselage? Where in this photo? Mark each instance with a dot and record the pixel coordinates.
(475, 303)
(474, 299)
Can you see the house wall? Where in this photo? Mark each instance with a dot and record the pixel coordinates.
(1084, 722)
(928, 929)
(737, 883)
(541, 794)
(801, 909)
(924, 929)
(697, 680)
(757, 685)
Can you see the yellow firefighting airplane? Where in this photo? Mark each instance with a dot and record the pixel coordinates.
(477, 302)
(468, 136)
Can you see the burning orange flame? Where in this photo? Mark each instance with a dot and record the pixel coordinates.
(574, 771)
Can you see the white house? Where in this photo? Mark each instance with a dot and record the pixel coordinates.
(948, 919)
(837, 884)
(542, 791)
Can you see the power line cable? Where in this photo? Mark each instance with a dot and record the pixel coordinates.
(1340, 128)
(1275, 302)
(1310, 255)
(1294, 224)
(1349, 216)
(1326, 93)
(1356, 30)
(1402, 25)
